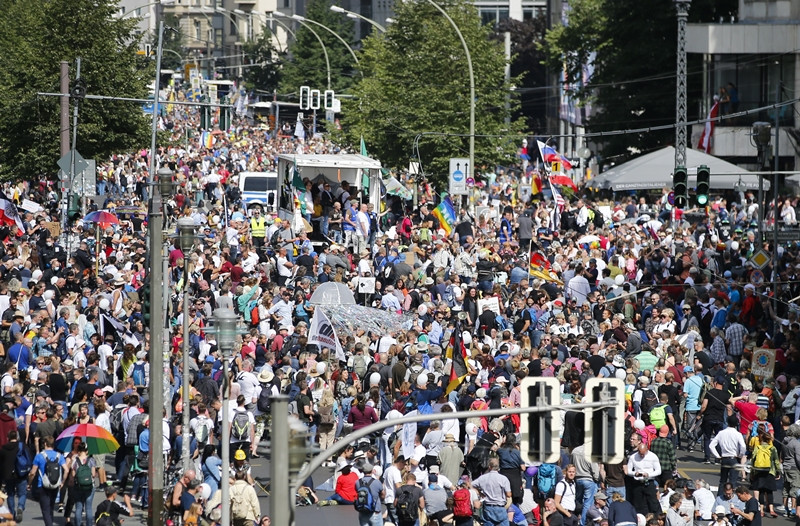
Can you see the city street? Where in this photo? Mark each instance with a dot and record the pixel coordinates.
(690, 466)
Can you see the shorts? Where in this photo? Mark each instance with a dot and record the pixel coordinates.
(791, 483)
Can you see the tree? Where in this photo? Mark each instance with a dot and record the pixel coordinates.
(416, 81)
(306, 66)
(527, 66)
(36, 35)
(631, 47)
(264, 72)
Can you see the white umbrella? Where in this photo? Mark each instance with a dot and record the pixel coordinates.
(589, 238)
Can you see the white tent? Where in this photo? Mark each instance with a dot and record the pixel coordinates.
(333, 293)
(654, 170)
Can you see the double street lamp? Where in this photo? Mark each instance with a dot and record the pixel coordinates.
(321, 43)
(351, 14)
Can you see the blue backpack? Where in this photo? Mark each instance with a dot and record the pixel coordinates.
(138, 374)
(546, 480)
(364, 500)
(22, 464)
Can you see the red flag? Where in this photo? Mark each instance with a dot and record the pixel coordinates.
(564, 181)
(704, 143)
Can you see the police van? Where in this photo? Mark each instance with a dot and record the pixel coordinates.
(259, 190)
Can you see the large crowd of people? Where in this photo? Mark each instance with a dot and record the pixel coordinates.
(545, 287)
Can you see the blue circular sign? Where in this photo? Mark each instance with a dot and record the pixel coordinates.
(458, 176)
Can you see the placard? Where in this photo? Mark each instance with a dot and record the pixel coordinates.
(763, 363)
(53, 227)
(493, 304)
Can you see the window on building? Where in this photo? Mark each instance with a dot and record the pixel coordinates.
(197, 32)
(750, 81)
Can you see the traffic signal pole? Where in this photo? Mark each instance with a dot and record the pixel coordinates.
(283, 501)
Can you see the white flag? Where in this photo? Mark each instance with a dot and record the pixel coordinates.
(323, 334)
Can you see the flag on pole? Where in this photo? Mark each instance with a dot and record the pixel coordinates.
(297, 181)
(564, 180)
(207, 139)
(446, 215)
(9, 214)
(558, 199)
(550, 155)
(536, 183)
(113, 327)
(457, 353)
(708, 130)
(323, 334)
(364, 172)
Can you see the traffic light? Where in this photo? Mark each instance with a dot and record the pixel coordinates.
(703, 183)
(680, 185)
(205, 121)
(144, 298)
(604, 437)
(540, 439)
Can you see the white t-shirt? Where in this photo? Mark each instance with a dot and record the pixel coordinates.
(391, 478)
(419, 473)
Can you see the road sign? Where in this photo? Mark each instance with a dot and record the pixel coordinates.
(757, 277)
(85, 182)
(760, 259)
(65, 163)
(457, 175)
(671, 198)
(785, 235)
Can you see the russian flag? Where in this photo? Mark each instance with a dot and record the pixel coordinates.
(550, 155)
(9, 214)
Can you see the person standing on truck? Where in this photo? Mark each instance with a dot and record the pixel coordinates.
(258, 228)
(326, 200)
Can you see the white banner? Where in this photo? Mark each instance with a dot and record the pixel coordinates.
(323, 334)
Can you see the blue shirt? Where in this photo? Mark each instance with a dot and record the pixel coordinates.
(40, 461)
(144, 441)
(212, 467)
(20, 355)
(692, 387)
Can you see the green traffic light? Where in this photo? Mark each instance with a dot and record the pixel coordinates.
(702, 199)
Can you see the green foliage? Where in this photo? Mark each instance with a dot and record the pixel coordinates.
(35, 36)
(264, 74)
(632, 47)
(173, 44)
(527, 67)
(306, 66)
(416, 80)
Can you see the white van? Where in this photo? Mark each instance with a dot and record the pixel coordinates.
(259, 189)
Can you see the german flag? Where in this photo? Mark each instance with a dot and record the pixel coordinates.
(457, 353)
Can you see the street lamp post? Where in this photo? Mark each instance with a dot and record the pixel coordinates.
(226, 330)
(186, 239)
(321, 43)
(351, 14)
(471, 169)
(331, 31)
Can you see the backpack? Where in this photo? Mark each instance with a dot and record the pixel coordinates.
(138, 374)
(407, 506)
(326, 416)
(51, 478)
(762, 456)
(83, 476)
(649, 401)
(360, 366)
(22, 464)
(264, 402)
(240, 427)
(239, 508)
(202, 433)
(546, 481)
(255, 318)
(462, 505)
(658, 416)
(364, 500)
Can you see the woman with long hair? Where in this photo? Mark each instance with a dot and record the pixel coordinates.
(328, 411)
(102, 418)
(211, 466)
(765, 468)
(361, 415)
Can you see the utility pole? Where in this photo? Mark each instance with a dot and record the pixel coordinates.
(680, 99)
(777, 168)
(64, 113)
(155, 466)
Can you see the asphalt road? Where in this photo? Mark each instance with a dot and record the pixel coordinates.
(689, 465)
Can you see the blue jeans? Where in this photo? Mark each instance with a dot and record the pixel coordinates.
(586, 488)
(83, 502)
(370, 519)
(495, 516)
(338, 498)
(17, 487)
(536, 338)
(140, 487)
(610, 490)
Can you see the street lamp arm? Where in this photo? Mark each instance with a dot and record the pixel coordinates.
(378, 26)
(324, 50)
(225, 13)
(471, 169)
(334, 33)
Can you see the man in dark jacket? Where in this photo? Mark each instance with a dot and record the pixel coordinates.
(14, 482)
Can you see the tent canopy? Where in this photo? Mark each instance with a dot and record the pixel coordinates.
(654, 170)
(332, 293)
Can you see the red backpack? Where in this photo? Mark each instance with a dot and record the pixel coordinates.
(462, 503)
